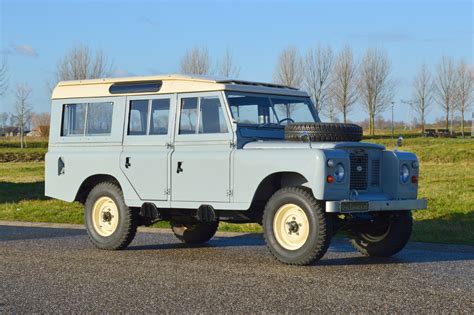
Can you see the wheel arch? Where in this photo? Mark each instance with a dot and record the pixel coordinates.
(272, 183)
(90, 182)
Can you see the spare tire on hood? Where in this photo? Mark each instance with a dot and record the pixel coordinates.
(323, 132)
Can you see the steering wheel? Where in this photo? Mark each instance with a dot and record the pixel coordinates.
(286, 119)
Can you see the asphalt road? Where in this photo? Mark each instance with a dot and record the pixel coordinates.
(48, 270)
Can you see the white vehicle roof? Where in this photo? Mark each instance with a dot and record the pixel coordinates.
(168, 84)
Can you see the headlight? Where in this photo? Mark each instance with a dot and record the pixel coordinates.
(339, 173)
(404, 173)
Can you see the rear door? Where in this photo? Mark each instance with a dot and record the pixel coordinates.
(146, 145)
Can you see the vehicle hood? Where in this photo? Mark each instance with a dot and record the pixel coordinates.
(282, 144)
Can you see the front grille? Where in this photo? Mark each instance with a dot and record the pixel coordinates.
(359, 164)
(375, 173)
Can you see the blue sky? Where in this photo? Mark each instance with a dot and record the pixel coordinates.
(150, 37)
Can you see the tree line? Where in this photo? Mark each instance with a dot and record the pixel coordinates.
(336, 81)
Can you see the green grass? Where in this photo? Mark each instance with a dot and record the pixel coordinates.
(446, 179)
(436, 150)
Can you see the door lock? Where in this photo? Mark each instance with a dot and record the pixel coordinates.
(179, 169)
(127, 162)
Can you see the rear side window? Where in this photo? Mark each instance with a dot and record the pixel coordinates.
(148, 117)
(159, 117)
(138, 122)
(188, 117)
(87, 119)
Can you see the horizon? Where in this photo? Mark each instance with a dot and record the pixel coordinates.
(410, 33)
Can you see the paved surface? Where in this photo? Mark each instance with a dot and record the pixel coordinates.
(56, 270)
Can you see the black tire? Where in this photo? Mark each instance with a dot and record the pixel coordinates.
(319, 225)
(388, 240)
(126, 228)
(322, 132)
(194, 233)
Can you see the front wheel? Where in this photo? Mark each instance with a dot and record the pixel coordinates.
(388, 238)
(109, 222)
(296, 228)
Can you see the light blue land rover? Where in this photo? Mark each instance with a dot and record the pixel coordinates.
(196, 151)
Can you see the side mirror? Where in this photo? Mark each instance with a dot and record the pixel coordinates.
(399, 142)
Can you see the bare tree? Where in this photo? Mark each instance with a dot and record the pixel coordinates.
(330, 110)
(81, 64)
(445, 86)
(375, 84)
(318, 64)
(288, 70)
(342, 90)
(23, 112)
(41, 123)
(3, 77)
(422, 94)
(465, 86)
(3, 121)
(196, 61)
(226, 67)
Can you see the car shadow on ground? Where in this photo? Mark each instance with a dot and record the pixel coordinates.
(339, 245)
(412, 254)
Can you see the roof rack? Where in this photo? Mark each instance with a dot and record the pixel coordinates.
(241, 82)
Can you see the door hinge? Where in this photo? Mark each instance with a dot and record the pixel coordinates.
(232, 145)
(230, 193)
(169, 145)
(167, 191)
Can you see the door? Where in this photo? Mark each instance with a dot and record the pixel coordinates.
(146, 145)
(200, 168)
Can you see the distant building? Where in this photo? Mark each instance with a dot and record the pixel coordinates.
(11, 132)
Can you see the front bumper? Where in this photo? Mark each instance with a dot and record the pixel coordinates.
(351, 206)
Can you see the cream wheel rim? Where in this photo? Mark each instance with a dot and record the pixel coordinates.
(105, 216)
(291, 226)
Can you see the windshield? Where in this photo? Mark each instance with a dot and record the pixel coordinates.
(261, 109)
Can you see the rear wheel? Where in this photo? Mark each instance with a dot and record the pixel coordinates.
(296, 228)
(109, 222)
(195, 232)
(387, 238)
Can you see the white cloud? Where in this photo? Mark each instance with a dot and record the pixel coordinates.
(26, 50)
(122, 73)
(147, 20)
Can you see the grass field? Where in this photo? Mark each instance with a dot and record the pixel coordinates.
(446, 179)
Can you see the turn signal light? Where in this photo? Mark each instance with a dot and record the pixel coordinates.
(330, 179)
(414, 179)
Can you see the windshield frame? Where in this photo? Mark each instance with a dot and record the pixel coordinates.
(270, 97)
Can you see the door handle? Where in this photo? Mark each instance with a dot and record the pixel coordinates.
(127, 162)
(179, 169)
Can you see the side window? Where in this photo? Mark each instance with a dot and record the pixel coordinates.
(160, 110)
(138, 121)
(99, 119)
(202, 115)
(188, 116)
(87, 119)
(148, 117)
(211, 116)
(74, 119)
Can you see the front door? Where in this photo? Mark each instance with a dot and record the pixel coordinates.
(200, 168)
(146, 145)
